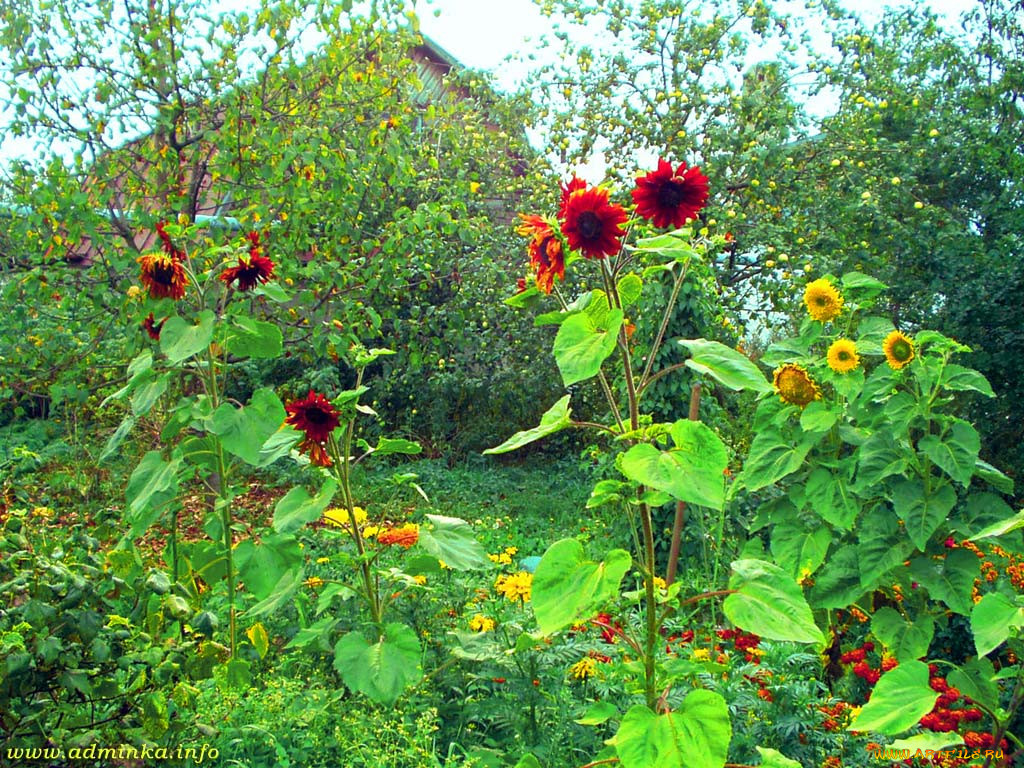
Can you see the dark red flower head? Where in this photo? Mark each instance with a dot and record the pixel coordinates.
(163, 275)
(251, 270)
(545, 249)
(591, 224)
(152, 327)
(666, 197)
(316, 418)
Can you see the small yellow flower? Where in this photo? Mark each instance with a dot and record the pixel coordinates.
(583, 669)
(823, 301)
(420, 579)
(313, 582)
(474, 187)
(134, 292)
(842, 356)
(660, 583)
(370, 531)
(43, 512)
(795, 386)
(339, 516)
(516, 586)
(481, 623)
(701, 654)
(511, 550)
(899, 350)
(323, 560)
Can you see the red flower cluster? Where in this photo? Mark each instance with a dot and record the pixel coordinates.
(835, 715)
(746, 642)
(610, 630)
(316, 418)
(594, 226)
(251, 270)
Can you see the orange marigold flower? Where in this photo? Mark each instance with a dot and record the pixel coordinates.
(404, 536)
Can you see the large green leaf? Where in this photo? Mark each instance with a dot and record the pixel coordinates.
(630, 287)
(922, 513)
(993, 620)
(877, 459)
(382, 670)
(976, 680)
(153, 483)
(900, 699)
(248, 337)
(949, 579)
(731, 368)
(690, 472)
(147, 390)
(452, 540)
(957, 453)
(567, 587)
(993, 476)
(829, 496)
(180, 339)
(554, 420)
(696, 736)
(243, 431)
(837, 584)
(297, 508)
(906, 640)
(881, 546)
(799, 550)
(582, 345)
(261, 565)
(958, 378)
(281, 594)
(771, 758)
(1001, 528)
(768, 602)
(770, 459)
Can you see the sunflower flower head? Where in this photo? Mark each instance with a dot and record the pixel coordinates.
(671, 197)
(567, 189)
(795, 386)
(316, 418)
(898, 349)
(823, 301)
(842, 356)
(163, 275)
(547, 260)
(516, 586)
(592, 224)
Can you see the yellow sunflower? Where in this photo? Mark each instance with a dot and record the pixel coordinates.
(842, 356)
(899, 350)
(823, 301)
(795, 386)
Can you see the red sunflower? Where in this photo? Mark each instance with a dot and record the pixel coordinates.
(163, 275)
(152, 327)
(251, 270)
(567, 189)
(545, 250)
(667, 197)
(591, 224)
(316, 418)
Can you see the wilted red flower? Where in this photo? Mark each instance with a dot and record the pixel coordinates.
(316, 418)
(545, 251)
(251, 270)
(163, 275)
(165, 242)
(671, 197)
(567, 189)
(152, 327)
(591, 224)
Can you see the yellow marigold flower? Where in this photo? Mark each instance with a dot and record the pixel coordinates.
(339, 516)
(842, 356)
(823, 301)
(795, 386)
(660, 583)
(511, 551)
(516, 586)
(370, 531)
(420, 579)
(44, 512)
(584, 668)
(481, 623)
(323, 560)
(701, 654)
(899, 350)
(313, 582)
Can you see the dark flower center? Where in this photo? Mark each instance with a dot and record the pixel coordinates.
(317, 416)
(163, 273)
(671, 193)
(901, 350)
(844, 355)
(589, 224)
